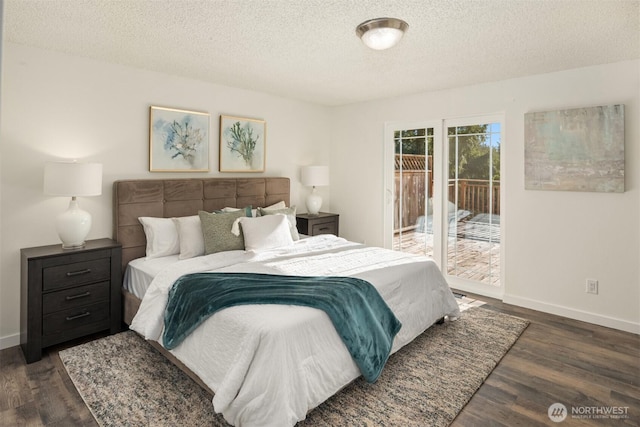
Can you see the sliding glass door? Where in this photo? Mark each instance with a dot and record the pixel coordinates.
(473, 188)
(444, 197)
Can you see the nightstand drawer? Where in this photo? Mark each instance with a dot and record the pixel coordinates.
(322, 223)
(324, 228)
(77, 273)
(75, 297)
(74, 318)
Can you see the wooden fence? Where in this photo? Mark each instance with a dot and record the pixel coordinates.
(473, 194)
(413, 199)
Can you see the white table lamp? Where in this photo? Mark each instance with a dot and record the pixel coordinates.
(72, 180)
(314, 176)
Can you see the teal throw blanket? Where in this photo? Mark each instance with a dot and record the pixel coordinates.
(361, 317)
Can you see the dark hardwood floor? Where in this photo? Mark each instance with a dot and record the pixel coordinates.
(556, 360)
(559, 360)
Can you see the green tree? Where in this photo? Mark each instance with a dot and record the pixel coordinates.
(471, 147)
(414, 141)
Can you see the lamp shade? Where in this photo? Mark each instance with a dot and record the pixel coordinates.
(315, 176)
(381, 33)
(72, 179)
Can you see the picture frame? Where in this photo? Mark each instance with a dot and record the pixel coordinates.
(578, 149)
(178, 140)
(242, 144)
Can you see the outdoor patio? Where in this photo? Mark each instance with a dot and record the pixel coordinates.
(471, 259)
(473, 246)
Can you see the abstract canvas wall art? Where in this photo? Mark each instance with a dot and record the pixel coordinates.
(580, 149)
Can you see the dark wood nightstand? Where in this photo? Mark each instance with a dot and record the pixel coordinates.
(323, 223)
(68, 293)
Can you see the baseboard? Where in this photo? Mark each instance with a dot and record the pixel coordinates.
(477, 288)
(571, 313)
(9, 341)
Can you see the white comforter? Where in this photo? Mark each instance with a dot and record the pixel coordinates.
(270, 364)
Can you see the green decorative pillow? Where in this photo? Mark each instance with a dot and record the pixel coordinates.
(216, 230)
(291, 217)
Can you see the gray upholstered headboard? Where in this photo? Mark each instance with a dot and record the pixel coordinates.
(166, 198)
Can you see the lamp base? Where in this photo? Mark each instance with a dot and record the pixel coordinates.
(314, 202)
(73, 226)
(72, 247)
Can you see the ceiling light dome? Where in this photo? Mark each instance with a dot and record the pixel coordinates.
(381, 33)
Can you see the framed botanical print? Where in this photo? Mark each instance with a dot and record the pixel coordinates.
(178, 140)
(242, 144)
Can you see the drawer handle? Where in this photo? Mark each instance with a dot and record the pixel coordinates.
(78, 316)
(324, 228)
(79, 272)
(71, 297)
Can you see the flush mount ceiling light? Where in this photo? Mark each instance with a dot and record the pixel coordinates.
(381, 33)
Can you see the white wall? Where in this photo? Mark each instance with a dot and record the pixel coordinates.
(553, 240)
(59, 106)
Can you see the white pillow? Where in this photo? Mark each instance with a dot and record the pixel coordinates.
(190, 236)
(265, 232)
(162, 236)
(290, 213)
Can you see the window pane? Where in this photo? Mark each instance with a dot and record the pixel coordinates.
(473, 244)
(413, 187)
(413, 132)
(413, 146)
(453, 158)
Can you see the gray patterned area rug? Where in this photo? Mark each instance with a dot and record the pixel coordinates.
(125, 381)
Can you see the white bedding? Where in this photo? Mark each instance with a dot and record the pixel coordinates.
(270, 364)
(140, 273)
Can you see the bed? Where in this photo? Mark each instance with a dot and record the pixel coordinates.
(265, 365)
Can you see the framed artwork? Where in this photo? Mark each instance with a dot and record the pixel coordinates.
(178, 140)
(581, 149)
(242, 144)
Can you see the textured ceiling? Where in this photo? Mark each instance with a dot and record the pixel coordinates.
(307, 49)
